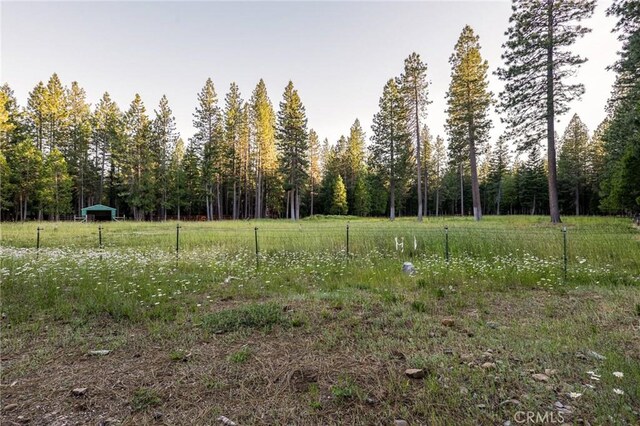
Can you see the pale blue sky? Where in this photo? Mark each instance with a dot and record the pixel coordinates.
(338, 54)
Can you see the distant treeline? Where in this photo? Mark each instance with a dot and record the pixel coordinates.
(247, 160)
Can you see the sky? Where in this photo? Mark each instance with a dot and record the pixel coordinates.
(339, 55)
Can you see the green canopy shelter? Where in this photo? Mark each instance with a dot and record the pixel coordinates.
(98, 212)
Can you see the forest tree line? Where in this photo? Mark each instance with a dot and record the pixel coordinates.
(248, 159)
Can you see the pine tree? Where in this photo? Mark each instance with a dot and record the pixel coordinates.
(263, 123)
(246, 162)
(232, 132)
(35, 115)
(176, 179)
(11, 119)
(414, 86)
(498, 170)
(137, 160)
(208, 145)
(390, 149)
(468, 100)
(339, 201)
(438, 167)
(361, 196)
(25, 164)
(77, 147)
(314, 168)
(538, 63)
(106, 145)
(6, 188)
(164, 137)
(191, 184)
(620, 191)
(56, 185)
(597, 164)
(55, 111)
(353, 161)
(573, 160)
(293, 145)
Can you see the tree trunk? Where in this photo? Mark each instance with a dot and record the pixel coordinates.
(554, 210)
(461, 190)
(419, 180)
(475, 185)
(219, 198)
(437, 202)
(577, 201)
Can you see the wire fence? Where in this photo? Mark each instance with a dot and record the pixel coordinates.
(403, 241)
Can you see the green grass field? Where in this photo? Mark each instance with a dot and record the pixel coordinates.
(308, 333)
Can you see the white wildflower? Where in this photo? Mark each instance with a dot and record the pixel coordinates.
(618, 391)
(618, 374)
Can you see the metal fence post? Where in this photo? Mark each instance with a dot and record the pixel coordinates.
(255, 230)
(446, 243)
(177, 242)
(38, 229)
(347, 240)
(100, 236)
(564, 244)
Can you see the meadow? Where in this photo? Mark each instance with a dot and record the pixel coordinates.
(315, 330)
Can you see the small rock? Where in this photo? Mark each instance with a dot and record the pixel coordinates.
(558, 404)
(493, 325)
(371, 401)
(79, 391)
(550, 372)
(507, 423)
(408, 268)
(539, 377)
(432, 334)
(448, 322)
(596, 355)
(226, 421)
(400, 423)
(10, 407)
(157, 415)
(415, 373)
(100, 352)
(463, 390)
(488, 366)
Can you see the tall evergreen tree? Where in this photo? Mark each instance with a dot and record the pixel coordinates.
(390, 148)
(232, 134)
(293, 144)
(573, 161)
(438, 167)
(208, 145)
(353, 161)
(26, 175)
(106, 145)
(55, 187)
(339, 204)
(77, 148)
(35, 114)
(6, 188)
(164, 137)
(263, 123)
(620, 191)
(176, 177)
(468, 100)
(314, 168)
(137, 160)
(55, 114)
(538, 64)
(498, 169)
(414, 86)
